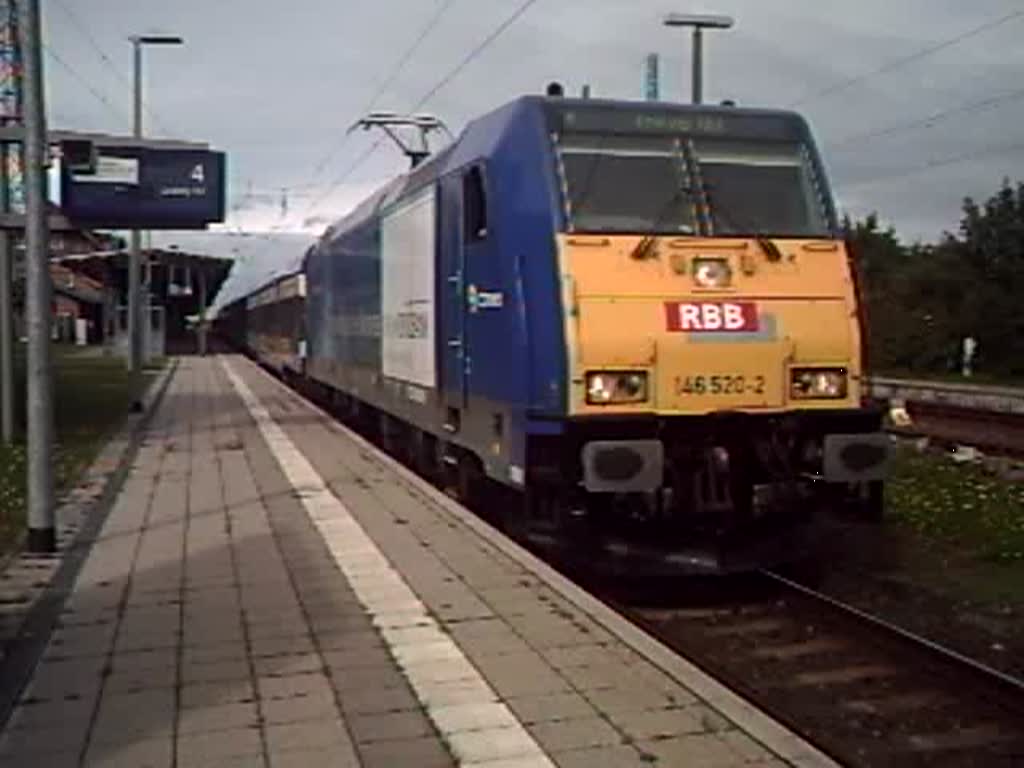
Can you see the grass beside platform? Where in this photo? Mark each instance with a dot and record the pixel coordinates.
(975, 517)
(92, 396)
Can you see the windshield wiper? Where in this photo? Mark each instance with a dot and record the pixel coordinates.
(588, 187)
(641, 249)
(763, 240)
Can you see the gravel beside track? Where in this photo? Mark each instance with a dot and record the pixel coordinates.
(860, 690)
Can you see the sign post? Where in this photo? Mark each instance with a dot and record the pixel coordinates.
(6, 308)
(41, 524)
(698, 22)
(651, 78)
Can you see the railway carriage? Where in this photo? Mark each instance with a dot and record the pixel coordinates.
(275, 325)
(269, 324)
(638, 318)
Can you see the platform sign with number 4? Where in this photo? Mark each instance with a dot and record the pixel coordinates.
(172, 189)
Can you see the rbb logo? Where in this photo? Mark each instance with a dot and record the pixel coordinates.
(711, 316)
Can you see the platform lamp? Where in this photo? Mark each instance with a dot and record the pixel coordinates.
(135, 320)
(699, 22)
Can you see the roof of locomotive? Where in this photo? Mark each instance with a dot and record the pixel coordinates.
(605, 116)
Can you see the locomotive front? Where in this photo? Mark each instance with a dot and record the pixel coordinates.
(713, 336)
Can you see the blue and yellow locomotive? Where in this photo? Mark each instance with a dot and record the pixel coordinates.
(638, 318)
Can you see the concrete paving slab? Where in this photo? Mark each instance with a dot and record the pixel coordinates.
(152, 753)
(604, 757)
(424, 752)
(218, 717)
(306, 758)
(696, 749)
(474, 716)
(407, 724)
(575, 734)
(492, 744)
(41, 742)
(538, 708)
(299, 709)
(290, 686)
(309, 734)
(215, 745)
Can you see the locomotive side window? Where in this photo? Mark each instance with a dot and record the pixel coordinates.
(474, 205)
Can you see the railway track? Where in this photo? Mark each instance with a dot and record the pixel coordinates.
(862, 690)
(991, 431)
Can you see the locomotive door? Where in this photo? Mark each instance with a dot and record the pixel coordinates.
(453, 293)
(468, 271)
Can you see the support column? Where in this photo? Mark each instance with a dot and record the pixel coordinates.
(7, 339)
(41, 528)
(202, 310)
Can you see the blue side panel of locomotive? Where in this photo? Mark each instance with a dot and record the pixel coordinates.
(517, 354)
(512, 346)
(527, 210)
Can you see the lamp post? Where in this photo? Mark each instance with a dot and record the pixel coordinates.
(135, 319)
(42, 535)
(699, 22)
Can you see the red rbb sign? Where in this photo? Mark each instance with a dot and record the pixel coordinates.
(711, 316)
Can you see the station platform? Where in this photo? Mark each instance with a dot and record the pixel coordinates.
(267, 589)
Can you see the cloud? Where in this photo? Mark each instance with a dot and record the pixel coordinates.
(277, 85)
(308, 213)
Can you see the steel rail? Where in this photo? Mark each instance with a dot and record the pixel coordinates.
(1009, 680)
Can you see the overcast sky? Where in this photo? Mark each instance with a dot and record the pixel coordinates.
(276, 84)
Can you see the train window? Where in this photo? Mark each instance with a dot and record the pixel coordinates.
(758, 188)
(626, 184)
(474, 204)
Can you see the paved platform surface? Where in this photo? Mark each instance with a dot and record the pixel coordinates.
(269, 591)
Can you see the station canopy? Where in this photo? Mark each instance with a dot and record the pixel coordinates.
(253, 259)
(257, 258)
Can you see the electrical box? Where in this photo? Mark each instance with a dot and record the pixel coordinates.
(79, 156)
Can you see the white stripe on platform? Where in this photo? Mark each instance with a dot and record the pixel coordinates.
(479, 729)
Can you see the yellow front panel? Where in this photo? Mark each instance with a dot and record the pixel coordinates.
(617, 319)
(705, 377)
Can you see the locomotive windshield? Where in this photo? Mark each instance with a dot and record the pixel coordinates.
(760, 189)
(680, 172)
(627, 184)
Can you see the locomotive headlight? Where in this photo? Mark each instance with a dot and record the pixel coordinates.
(712, 273)
(616, 387)
(818, 383)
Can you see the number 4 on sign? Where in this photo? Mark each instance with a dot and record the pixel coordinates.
(197, 174)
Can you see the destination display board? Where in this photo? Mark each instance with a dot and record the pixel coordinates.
(633, 119)
(135, 188)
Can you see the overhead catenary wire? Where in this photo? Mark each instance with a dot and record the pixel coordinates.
(473, 54)
(349, 170)
(904, 61)
(390, 79)
(930, 120)
(74, 73)
(931, 165)
(87, 35)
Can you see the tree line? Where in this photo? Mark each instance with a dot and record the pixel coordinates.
(922, 300)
